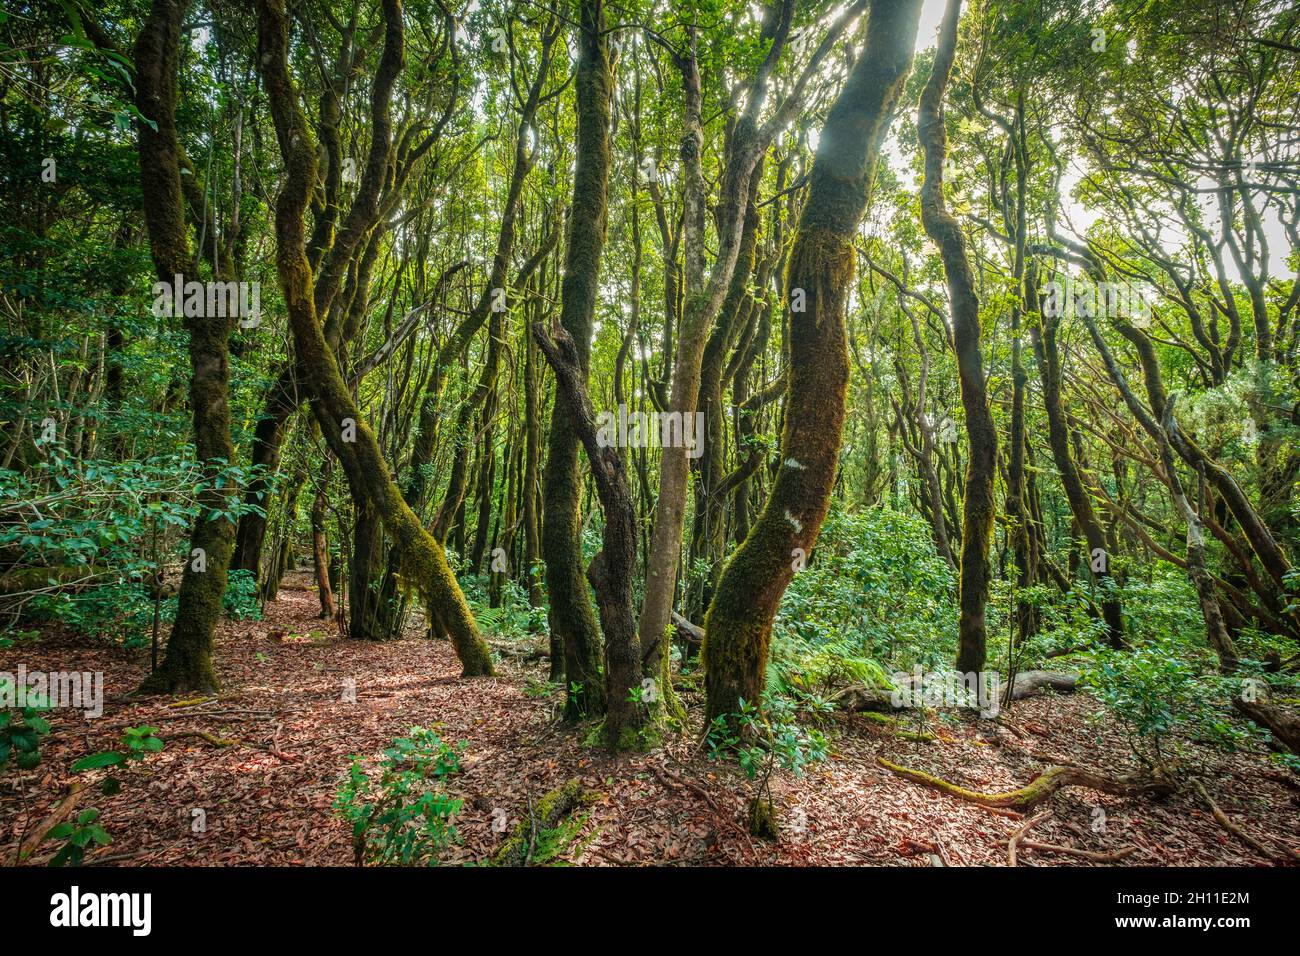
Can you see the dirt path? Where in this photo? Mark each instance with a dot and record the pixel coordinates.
(286, 678)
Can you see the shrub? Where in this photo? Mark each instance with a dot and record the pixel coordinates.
(240, 600)
(395, 819)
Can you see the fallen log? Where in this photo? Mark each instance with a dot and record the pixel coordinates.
(1284, 724)
(518, 848)
(1041, 788)
(686, 631)
(1034, 683)
(859, 697)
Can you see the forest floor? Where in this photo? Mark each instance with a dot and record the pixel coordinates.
(283, 682)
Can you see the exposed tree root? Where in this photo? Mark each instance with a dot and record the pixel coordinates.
(1019, 834)
(1290, 856)
(1094, 856)
(1042, 788)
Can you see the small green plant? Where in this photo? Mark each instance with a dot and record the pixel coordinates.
(137, 743)
(395, 819)
(1149, 692)
(760, 741)
(21, 730)
(77, 836)
(119, 613)
(553, 842)
(240, 600)
(17, 637)
(538, 689)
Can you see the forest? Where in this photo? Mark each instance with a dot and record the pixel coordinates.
(613, 433)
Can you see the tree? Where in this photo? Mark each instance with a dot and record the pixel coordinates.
(738, 626)
(977, 505)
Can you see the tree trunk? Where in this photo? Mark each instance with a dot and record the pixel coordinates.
(738, 626)
(572, 618)
(1098, 557)
(425, 565)
(320, 546)
(187, 665)
(945, 231)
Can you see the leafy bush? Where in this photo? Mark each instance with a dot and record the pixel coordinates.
(761, 741)
(874, 596)
(119, 613)
(396, 820)
(240, 600)
(1155, 696)
(514, 618)
(77, 836)
(21, 730)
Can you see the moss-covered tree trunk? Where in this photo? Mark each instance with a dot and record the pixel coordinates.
(424, 566)
(1049, 364)
(612, 568)
(531, 490)
(333, 247)
(187, 665)
(320, 554)
(945, 231)
(738, 625)
(572, 617)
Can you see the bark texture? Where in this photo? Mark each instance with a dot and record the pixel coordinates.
(945, 231)
(738, 626)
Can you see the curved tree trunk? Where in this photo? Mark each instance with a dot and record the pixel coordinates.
(1049, 363)
(187, 665)
(572, 618)
(425, 565)
(940, 226)
(738, 626)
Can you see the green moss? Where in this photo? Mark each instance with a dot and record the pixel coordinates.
(892, 723)
(762, 819)
(546, 815)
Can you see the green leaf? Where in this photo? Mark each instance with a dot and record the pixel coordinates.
(95, 761)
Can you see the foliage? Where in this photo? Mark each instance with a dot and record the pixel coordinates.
(1156, 696)
(395, 819)
(137, 743)
(21, 730)
(762, 740)
(240, 601)
(874, 595)
(77, 835)
(115, 612)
